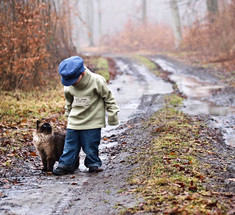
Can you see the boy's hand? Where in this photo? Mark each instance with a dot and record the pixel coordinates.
(113, 120)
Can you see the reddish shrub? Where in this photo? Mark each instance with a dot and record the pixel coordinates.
(214, 40)
(142, 37)
(29, 43)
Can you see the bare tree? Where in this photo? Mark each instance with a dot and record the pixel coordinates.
(100, 19)
(213, 9)
(212, 6)
(176, 22)
(90, 21)
(144, 11)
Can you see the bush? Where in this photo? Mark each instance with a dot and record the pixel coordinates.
(29, 43)
(149, 37)
(213, 39)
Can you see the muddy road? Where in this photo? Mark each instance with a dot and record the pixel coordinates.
(205, 94)
(139, 93)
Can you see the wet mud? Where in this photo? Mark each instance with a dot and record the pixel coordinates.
(213, 102)
(26, 190)
(205, 95)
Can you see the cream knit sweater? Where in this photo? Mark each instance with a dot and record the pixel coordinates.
(87, 102)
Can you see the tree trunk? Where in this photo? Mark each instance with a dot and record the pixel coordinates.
(90, 21)
(144, 11)
(212, 6)
(176, 22)
(100, 19)
(212, 9)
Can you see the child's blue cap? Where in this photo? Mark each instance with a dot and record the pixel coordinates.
(70, 69)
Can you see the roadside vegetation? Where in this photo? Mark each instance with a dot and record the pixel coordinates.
(171, 175)
(35, 37)
(101, 66)
(135, 37)
(148, 63)
(19, 112)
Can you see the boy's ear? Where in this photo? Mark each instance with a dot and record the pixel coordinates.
(38, 122)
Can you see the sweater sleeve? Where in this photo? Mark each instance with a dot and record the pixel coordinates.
(110, 103)
(68, 102)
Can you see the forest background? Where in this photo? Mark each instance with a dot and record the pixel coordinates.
(36, 35)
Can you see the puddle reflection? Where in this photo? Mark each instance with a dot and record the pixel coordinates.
(196, 107)
(128, 88)
(193, 87)
(197, 90)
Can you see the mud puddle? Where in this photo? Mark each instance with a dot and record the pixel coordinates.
(195, 107)
(133, 82)
(200, 90)
(43, 195)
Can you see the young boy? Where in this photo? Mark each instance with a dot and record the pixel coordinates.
(87, 97)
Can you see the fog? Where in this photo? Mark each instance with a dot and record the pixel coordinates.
(114, 14)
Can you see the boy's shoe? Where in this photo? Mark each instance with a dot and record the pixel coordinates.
(62, 171)
(95, 169)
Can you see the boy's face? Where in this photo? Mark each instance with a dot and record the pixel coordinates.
(79, 79)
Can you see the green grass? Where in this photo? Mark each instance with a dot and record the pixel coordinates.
(21, 107)
(102, 67)
(148, 63)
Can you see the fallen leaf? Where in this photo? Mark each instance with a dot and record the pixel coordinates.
(211, 204)
(189, 198)
(33, 154)
(172, 211)
(24, 121)
(74, 183)
(2, 195)
(200, 176)
(193, 188)
(179, 166)
(158, 129)
(5, 181)
(181, 184)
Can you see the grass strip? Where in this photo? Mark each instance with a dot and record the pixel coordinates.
(148, 63)
(171, 177)
(101, 67)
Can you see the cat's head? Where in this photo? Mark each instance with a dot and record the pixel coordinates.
(43, 127)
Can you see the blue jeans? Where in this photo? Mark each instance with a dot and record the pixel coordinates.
(88, 140)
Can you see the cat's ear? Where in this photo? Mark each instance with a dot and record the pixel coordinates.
(38, 123)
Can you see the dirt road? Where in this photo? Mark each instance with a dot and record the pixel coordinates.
(138, 93)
